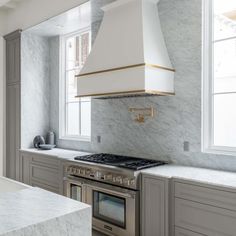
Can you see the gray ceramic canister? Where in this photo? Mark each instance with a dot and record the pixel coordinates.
(50, 138)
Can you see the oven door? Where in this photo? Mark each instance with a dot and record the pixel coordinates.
(115, 210)
(75, 189)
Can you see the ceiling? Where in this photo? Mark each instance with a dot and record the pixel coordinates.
(70, 21)
(9, 4)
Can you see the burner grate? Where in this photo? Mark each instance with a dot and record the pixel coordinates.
(120, 161)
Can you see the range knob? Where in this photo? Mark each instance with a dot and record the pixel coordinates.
(119, 180)
(132, 182)
(108, 177)
(98, 175)
(73, 170)
(82, 171)
(88, 172)
(126, 181)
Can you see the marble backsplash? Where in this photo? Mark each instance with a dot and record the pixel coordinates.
(177, 119)
(35, 87)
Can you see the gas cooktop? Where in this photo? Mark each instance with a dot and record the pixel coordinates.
(120, 161)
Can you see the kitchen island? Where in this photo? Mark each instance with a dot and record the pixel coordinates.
(28, 211)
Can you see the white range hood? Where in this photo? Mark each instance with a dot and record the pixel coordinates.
(129, 55)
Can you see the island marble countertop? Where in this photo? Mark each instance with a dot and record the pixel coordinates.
(37, 212)
(56, 152)
(205, 176)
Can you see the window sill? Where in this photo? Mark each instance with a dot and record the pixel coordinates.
(76, 139)
(226, 151)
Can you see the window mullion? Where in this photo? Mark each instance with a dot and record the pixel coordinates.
(225, 39)
(224, 93)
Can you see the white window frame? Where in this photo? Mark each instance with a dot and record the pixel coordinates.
(207, 85)
(62, 89)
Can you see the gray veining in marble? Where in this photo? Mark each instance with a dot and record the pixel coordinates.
(38, 212)
(34, 87)
(178, 117)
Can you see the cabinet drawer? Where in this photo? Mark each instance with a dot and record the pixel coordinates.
(209, 196)
(204, 219)
(45, 187)
(44, 175)
(184, 232)
(48, 161)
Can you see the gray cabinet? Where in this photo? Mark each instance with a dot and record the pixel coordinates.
(204, 209)
(24, 168)
(41, 171)
(154, 206)
(12, 130)
(13, 103)
(13, 46)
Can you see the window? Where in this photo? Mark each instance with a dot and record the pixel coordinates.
(75, 118)
(219, 77)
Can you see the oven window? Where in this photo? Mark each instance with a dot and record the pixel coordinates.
(109, 208)
(76, 192)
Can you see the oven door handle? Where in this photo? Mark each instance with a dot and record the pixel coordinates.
(115, 193)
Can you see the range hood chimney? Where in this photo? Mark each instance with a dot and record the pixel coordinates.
(129, 55)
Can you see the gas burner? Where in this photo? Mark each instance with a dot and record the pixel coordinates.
(120, 161)
(141, 164)
(101, 158)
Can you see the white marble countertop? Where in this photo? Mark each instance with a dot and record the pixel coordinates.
(206, 176)
(56, 152)
(21, 211)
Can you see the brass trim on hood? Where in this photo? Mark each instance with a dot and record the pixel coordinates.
(160, 67)
(131, 92)
(126, 67)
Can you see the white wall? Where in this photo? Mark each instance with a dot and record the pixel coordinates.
(35, 93)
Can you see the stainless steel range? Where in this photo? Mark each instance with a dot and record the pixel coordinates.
(110, 183)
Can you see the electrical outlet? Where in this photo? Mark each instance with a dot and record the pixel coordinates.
(186, 146)
(99, 139)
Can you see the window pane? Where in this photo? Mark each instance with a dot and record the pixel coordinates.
(70, 53)
(225, 16)
(86, 118)
(225, 58)
(225, 84)
(85, 48)
(71, 91)
(224, 120)
(77, 63)
(225, 66)
(73, 126)
(85, 99)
